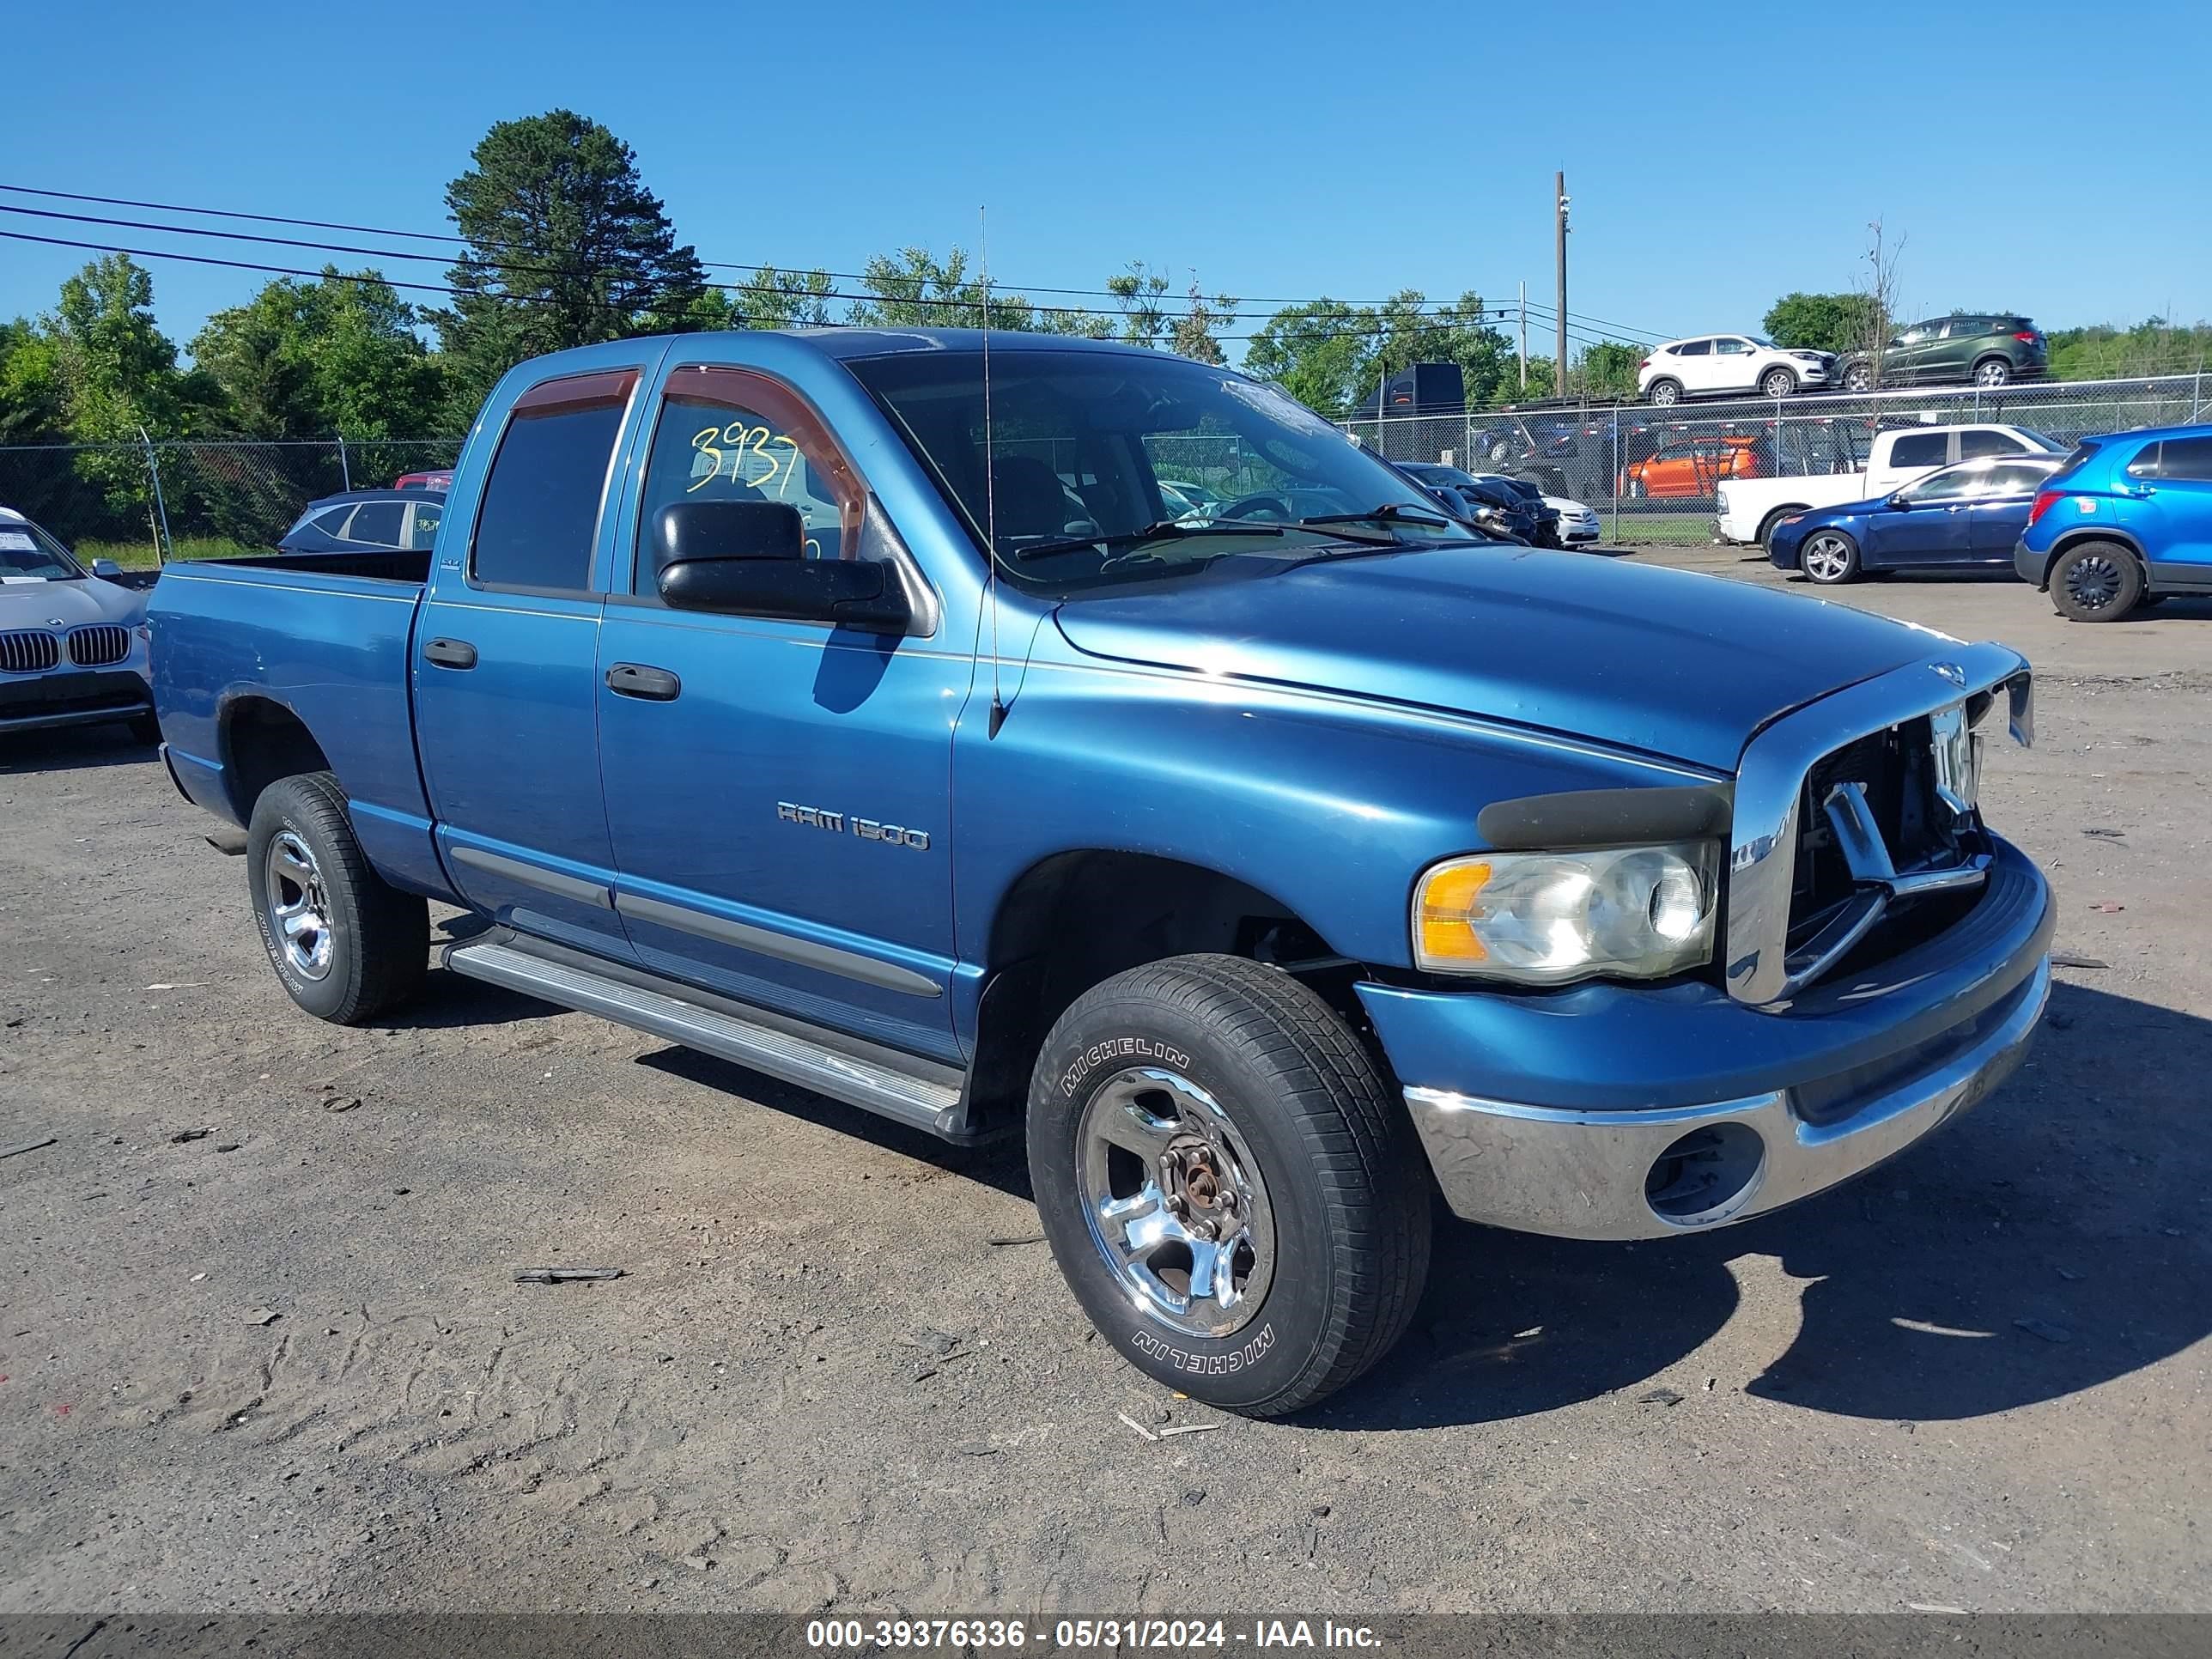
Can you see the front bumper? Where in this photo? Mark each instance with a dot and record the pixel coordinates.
(1557, 1113)
(72, 696)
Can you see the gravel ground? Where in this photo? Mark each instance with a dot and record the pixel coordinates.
(282, 1366)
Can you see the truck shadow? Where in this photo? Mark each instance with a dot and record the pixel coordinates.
(2059, 1237)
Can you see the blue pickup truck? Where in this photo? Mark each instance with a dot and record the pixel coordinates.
(858, 706)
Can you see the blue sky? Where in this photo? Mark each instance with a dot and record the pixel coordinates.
(2034, 156)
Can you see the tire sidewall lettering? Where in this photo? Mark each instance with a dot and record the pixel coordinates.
(1158, 1348)
(1143, 1050)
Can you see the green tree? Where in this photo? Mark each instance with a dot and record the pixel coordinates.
(337, 355)
(1139, 291)
(2153, 346)
(31, 403)
(1822, 322)
(566, 247)
(1198, 331)
(1332, 356)
(1607, 369)
(913, 288)
(1318, 352)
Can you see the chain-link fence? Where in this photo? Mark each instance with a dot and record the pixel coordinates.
(1654, 473)
(141, 503)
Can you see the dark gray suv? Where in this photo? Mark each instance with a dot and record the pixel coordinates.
(1992, 350)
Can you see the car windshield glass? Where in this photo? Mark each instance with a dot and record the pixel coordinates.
(27, 553)
(1080, 443)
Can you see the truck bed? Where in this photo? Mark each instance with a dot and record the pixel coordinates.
(246, 650)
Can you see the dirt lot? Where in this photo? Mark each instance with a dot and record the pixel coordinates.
(1977, 1380)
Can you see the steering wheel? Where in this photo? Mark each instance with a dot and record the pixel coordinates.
(1245, 505)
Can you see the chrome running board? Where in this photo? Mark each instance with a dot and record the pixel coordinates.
(908, 1090)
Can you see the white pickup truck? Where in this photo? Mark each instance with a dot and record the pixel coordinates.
(1751, 507)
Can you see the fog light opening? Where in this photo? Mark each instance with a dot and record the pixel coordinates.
(1706, 1176)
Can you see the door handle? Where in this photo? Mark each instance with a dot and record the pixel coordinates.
(450, 654)
(633, 679)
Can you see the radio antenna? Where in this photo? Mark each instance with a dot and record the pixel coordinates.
(990, 477)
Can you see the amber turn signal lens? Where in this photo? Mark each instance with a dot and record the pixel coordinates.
(1447, 911)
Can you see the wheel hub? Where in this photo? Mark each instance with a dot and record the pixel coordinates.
(2095, 583)
(1177, 1207)
(299, 906)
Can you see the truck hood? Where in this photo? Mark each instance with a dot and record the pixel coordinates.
(1667, 662)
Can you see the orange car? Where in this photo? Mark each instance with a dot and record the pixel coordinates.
(1692, 467)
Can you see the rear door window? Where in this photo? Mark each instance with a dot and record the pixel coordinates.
(423, 529)
(2188, 458)
(1694, 348)
(540, 514)
(1974, 444)
(2017, 478)
(1921, 449)
(377, 523)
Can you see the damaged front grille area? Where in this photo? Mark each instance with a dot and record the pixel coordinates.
(1856, 834)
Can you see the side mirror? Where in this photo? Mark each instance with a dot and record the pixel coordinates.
(749, 559)
(1899, 502)
(107, 568)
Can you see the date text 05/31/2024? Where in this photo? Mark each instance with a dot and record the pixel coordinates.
(1080, 1634)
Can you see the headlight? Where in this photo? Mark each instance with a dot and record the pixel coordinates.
(1551, 918)
(1957, 759)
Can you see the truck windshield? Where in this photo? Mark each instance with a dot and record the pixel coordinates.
(1106, 467)
(29, 554)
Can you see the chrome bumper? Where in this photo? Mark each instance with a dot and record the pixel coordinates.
(1588, 1174)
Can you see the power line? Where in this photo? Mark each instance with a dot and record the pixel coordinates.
(1442, 307)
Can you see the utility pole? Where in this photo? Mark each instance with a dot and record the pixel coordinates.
(1524, 339)
(1559, 192)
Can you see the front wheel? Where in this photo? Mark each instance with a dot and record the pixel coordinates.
(1778, 383)
(1859, 377)
(1830, 558)
(1230, 1189)
(2096, 581)
(346, 946)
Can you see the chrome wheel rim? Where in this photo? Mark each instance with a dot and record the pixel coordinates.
(298, 907)
(1177, 1207)
(1827, 559)
(1858, 381)
(2093, 583)
(1663, 395)
(1779, 386)
(1993, 374)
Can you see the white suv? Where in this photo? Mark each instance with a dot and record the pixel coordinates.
(1742, 364)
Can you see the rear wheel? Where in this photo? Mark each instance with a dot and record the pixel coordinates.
(346, 946)
(1664, 393)
(1992, 371)
(2096, 581)
(1232, 1192)
(1829, 557)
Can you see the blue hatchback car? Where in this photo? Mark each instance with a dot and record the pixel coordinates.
(1962, 518)
(2124, 522)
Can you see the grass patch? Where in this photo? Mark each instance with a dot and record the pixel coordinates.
(1675, 529)
(140, 555)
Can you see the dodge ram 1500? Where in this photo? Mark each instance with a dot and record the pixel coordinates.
(857, 706)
